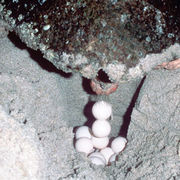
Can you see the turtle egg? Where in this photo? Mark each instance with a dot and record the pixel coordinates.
(112, 158)
(84, 145)
(98, 155)
(101, 128)
(102, 110)
(100, 143)
(118, 144)
(97, 161)
(107, 153)
(83, 131)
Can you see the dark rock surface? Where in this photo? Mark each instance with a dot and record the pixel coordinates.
(86, 36)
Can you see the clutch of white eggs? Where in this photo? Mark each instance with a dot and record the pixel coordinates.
(94, 142)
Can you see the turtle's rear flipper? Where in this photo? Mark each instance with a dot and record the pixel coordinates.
(175, 64)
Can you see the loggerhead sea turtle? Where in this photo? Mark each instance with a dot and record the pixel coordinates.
(93, 37)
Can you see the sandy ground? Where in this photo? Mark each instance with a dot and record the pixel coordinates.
(40, 106)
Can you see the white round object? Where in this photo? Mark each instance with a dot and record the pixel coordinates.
(118, 144)
(97, 161)
(107, 153)
(84, 145)
(101, 128)
(102, 110)
(83, 131)
(99, 155)
(100, 143)
(112, 158)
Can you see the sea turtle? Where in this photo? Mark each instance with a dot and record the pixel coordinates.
(95, 37)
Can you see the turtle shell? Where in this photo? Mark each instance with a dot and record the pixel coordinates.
(88, 36)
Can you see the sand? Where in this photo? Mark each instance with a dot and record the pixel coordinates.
(40, 106)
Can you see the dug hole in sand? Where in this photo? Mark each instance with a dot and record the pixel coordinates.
(40, 106)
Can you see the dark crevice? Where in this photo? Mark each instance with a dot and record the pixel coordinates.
(127, 116)
(86, 86)
(103, 77)
(37, 56)
(25, 121)
(88, 113)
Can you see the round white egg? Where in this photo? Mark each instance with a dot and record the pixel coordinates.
(118, 144)
(82, 131)
(84, 145)
(112, 158)
(97, 161)
(99, 155)
(100, 143)
(102, 110)
(101, 128)
(107, 153)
